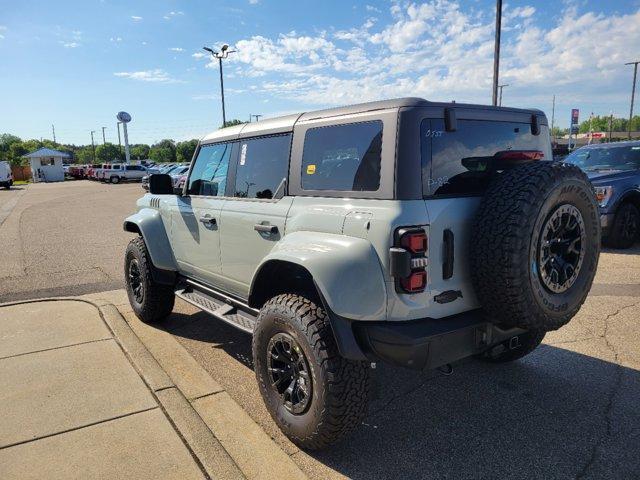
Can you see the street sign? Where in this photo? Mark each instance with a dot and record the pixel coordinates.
(575, 113)
(123, 117)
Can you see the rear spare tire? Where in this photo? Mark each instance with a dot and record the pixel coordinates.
(535, 245)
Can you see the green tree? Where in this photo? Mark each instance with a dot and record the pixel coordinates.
(6, 140)
(231, 123)
(163, 151)
(139, 151)
(185, 150)
(16, 151)
(84, 154)
(108, 153)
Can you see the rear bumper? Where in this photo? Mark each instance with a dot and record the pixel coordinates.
(425, 343)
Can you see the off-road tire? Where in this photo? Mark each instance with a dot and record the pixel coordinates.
(340, 387)
(505, 241)
(620, 235)
(115, 179)
(501, 353)
(157, 300)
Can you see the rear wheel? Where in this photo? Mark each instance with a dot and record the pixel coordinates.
(150, 300)
(625, 228)
(115, 179)
(315, 396)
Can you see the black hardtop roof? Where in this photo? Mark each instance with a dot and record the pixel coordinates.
(287, 122)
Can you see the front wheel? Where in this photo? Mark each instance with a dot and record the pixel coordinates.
(315, 396)
(150, 301)
(625, 228)
(115, 180)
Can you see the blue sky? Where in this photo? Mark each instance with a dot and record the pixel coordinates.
(77, 63)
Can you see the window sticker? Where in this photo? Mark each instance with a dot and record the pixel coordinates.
(311, 169)
(243, 154)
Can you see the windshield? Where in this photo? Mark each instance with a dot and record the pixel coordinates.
(167, 169)
(606, 158)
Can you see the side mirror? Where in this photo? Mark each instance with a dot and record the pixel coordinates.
(160, 184)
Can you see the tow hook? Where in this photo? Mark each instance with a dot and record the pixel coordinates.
(446, 370)
(514, 342)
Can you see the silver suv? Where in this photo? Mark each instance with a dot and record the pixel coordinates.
(402, 231)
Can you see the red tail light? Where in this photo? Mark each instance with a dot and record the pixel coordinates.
(415, 242)
(408, 260)
(520, 155)
(415, 282)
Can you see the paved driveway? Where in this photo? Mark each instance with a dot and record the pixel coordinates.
(63, 238)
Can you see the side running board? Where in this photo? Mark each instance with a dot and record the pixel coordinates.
(218, 305)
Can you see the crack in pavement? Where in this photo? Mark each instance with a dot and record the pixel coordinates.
(615, 388)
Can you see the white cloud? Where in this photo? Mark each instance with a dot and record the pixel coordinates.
(371, 8)
(254, 2)
(172, 14)
(115, 39)
(2, 29)
(136, 18)
(70, 44)
(441, 51)
(176, 49)
(155, 75)
(199, 55)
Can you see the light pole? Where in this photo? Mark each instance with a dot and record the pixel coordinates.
(223, 53)
(119, 141)
(633, 92)
(501, 87)
(553, 117)
(93, 146)
(496, 51)
(257, 117)
(103, 139)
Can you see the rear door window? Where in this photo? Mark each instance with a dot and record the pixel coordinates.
(262, 166)
(463, 162)
(342, 157)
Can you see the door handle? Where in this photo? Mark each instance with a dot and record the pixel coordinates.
(270, 229)
(208, 220)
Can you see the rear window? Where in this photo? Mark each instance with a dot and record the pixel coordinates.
(262, 166)
(460, 162)
(342, 157)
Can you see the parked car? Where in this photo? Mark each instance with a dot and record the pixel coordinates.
(403, 231)
(124, 173)
(614, 170)
(6, 177)
(165, 168)
(177, 173)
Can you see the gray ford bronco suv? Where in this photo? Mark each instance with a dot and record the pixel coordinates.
(401, 231)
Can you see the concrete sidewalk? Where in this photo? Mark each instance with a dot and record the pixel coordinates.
(74, 406)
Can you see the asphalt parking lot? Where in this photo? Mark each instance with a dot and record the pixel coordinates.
(569, 410)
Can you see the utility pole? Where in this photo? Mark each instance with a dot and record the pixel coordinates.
(119, 141)
(257, 117)
(224, 53)
(633, 92)
(103, 139)
(53, 130)
(501, 87)
(496, 51)
(610, 125)
(93, 146)
(553, 116)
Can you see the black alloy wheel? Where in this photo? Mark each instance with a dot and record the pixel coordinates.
(561, 252)
(289, 371)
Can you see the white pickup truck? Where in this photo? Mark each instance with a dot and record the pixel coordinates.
(123, 173)
(6, 177)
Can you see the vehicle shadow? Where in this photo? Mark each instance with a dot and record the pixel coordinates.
(554, 414)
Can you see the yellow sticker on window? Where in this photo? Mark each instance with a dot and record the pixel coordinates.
(311, 169)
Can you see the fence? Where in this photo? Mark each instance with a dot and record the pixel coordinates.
(21, 172)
